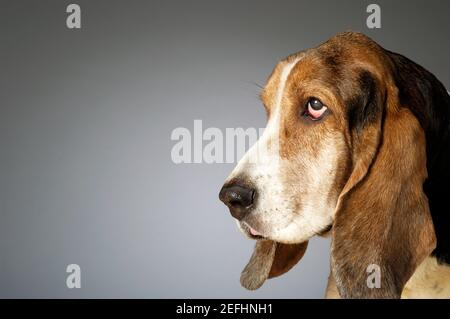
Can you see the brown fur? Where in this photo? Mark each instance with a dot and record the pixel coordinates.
(286, 257)
(384, 218)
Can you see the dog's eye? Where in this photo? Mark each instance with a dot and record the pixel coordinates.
(316, 109)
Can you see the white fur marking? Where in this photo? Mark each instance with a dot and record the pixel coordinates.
(275, 214)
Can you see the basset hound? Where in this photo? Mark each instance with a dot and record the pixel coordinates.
(357, 147)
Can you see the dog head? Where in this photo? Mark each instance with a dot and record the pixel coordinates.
(339, 152)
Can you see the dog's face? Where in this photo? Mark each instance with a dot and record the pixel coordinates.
(287, 186)
(342, 150)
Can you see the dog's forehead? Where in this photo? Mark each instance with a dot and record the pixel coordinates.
(275, 79)
(332, 72)
(337, 73)
(295, 73)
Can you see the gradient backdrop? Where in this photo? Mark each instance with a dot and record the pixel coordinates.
(86, 175)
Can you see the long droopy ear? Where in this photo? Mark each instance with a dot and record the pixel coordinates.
(382, 217)
(270, 259)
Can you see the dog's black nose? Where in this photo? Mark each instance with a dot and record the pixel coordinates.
(239, 199)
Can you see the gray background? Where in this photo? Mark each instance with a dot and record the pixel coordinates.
(86, 115)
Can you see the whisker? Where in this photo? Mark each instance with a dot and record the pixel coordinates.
(258, 85)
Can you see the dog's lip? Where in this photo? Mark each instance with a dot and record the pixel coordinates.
(251, 232)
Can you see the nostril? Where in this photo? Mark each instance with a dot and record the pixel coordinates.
(234, 203)
(253, 195)
(237, 196)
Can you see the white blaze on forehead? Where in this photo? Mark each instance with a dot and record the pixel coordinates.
(282, 84)
(264, 155)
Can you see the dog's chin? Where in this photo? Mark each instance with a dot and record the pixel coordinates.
(254, 234)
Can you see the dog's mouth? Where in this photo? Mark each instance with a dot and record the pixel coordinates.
(251, 232)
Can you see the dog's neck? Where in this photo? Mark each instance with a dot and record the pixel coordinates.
(429, 101)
